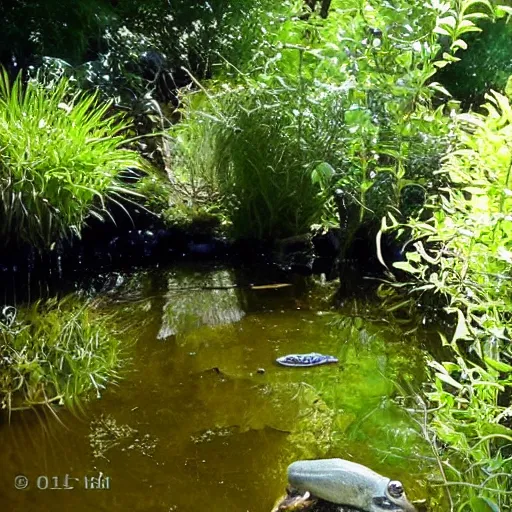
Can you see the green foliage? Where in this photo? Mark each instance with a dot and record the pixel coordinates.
(253, 148)
(60, 158)
(196, 34)
(64, 29)
(461, 259)
(156, 191)
(175, 207)
(351, 93)
(143, 48)
(485, 65)
(55, 352)
(472, 422)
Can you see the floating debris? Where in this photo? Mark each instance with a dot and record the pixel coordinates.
(107, 434)
(305, 360)
(270, 286)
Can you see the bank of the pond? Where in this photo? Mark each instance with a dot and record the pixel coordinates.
(204, 419)
(103, 249)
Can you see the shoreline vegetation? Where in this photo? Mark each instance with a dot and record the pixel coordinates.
(269, 121)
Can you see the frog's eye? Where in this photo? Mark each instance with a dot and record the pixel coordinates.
(395, 489)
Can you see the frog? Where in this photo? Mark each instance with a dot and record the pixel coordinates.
(339, 485)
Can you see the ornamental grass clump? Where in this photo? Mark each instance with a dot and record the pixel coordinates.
(61, 154)
(55, 352)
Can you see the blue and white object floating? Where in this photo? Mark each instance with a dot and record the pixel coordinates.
(305, 360)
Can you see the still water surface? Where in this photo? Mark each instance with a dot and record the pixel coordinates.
(203, 419)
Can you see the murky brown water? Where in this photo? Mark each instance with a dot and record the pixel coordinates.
(204, 420)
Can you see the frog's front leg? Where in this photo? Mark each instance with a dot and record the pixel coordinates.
(294, 501)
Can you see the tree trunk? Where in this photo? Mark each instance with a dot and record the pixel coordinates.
(324, 10)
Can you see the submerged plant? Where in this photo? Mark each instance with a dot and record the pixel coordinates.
(61, 155)
(55, 353)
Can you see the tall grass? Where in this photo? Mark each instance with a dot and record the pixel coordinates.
(55, 352)
(254, 149)
(61, 153)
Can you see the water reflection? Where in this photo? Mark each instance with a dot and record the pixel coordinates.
(193, 301)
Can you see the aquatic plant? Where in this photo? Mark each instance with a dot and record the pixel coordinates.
(258, 158)
(55, 352)
(458, 260)
(61, 155)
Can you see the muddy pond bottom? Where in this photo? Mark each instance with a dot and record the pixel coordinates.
(203, 419)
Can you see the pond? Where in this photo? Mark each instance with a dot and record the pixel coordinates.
(203, 419)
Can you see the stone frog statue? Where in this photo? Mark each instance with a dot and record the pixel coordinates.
(337, 485)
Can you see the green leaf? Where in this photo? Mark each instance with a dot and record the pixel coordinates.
(406, 266)
(441, 63)
(483, 504)
(439, 88)
(450, 58)
(477, 191)
(462, 331)
(449, 21)
(468, 3)
(322, 174)
(502, 10)
(449, 380)
(441, 31)
(459, 43)
(498, 365)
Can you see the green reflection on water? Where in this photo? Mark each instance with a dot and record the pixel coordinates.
(205, 420)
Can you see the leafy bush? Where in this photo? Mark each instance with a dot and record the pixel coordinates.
(461, 259)
(344, 101)
(60, 159)
(54, 352)
(259, 154)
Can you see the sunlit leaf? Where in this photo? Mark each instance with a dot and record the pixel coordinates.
(461, 331)
(498, 365)
(406, 266)
(483, 504)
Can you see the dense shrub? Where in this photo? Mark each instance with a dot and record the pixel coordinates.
(60, 159)
(260, 158)
(334, 101)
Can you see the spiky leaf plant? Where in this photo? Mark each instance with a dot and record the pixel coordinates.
(60, 158)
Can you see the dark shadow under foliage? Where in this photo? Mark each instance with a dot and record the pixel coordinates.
(126, 47)
(485, 65)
